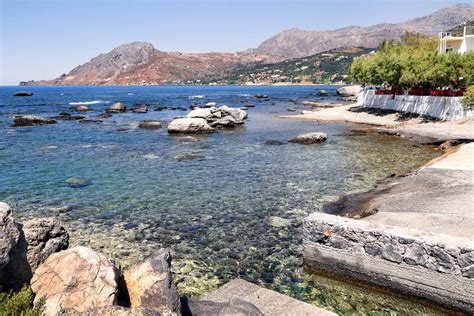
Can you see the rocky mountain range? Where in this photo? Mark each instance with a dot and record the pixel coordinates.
(140, 63)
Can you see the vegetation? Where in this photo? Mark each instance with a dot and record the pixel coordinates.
(468, 101)
(326, 67)
(20, 303)
(414, 63)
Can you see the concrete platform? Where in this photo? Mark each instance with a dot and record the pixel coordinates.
(267, 301)
(420, 241)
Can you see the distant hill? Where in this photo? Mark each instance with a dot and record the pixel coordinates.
(298, 43)
(326, 67)
(140, 63)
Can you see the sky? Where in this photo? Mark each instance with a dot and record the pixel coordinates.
(41, 39)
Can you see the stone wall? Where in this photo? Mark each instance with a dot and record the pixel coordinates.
(444, 108)
(436, 267)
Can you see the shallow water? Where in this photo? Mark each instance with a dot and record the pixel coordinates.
(236, 213)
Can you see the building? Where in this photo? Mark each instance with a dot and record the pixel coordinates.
(459, 39)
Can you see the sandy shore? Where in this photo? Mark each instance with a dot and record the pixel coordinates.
(394, 123)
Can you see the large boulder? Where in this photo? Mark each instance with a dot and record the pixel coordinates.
(202, 113)
(349, 91)
(31, 120)
(189, 125)
(39, 239)
(309, 138)
(238, 114)
(76, 279)
(149, 284)
(116, 108)
(9, 234)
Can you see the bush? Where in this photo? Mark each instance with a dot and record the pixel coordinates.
(468, 100)
(20, 303)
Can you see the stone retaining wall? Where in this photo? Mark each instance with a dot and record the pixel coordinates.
(444, 108)
(435, 267)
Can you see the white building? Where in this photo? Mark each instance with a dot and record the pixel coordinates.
(459, 39)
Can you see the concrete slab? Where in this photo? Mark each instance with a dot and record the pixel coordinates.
(267, 301)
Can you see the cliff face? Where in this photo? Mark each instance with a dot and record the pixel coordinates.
(140, 63)
(298, 43)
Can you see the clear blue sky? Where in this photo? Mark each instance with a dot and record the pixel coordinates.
(41, 39)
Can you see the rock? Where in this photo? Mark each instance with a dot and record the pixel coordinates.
(116, 108)
(391, 254)
(9, 234)
(276, 221)
(189, 156)
(261, 96)
(140, 110)
(31, 120)
(349, 91)
(466, 259)
(114, 311)
(274, 142)
(150, 125)
(322, 93)
(250, 105)
(415, 255)
(189, 125)
(150, 285)
(88, 121)
(200, 113)
(68, 117)
(234, 306)
(238, 114)
(226, 121)
(291, 109)
(210, 104)
(244, 108)
(76, 279)
(310, 138)
(77, 182)
(40, 238)
(82, 108)
(23, 94)
(104, 115)
(188, 139)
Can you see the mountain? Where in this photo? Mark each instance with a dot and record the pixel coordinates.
(140, 63)
(299, 43)
(328, 67)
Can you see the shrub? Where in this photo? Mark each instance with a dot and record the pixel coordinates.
(20, 303)
(468, 100)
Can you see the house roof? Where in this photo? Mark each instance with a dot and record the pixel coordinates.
(459, 30)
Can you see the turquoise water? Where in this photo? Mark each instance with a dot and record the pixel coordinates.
(236, 213)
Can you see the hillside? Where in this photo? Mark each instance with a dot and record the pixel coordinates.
(298, 43)
(327, 67)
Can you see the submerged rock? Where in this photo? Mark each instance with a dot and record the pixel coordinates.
(149, 284)
(276, 221)
(150, 125)
(261, 96)
(189, 156)
(23, 94)
(104, 115)
(31, 120)
(189, 125)
(291, 109)
(77, 182)
(309, 138)
(322, 93)
(234, 306)
(142, 109)
(274, 142)
(116, 108)
(68, 117)
(76, 279)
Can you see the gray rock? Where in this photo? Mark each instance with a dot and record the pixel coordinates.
(234, 306)
(291, 110)
(141, 109)
(150, 125)
(200, 113)
(31, 120)
(309, 138)
(274, 142)
(77, 182)
(415, 255)
(373, 250)
(104, 115)
(210, 104)
(466, 259)
(445, 263)
(322, 93)
(226, 121)
(39, 239)
(276, 221)
(349, 91)
(468, 272)
(389, 252)
(238, 114)
(189, 125)
(82, 108)
(116, 108)
(9, 234)
(149, 284)
(189, 156)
